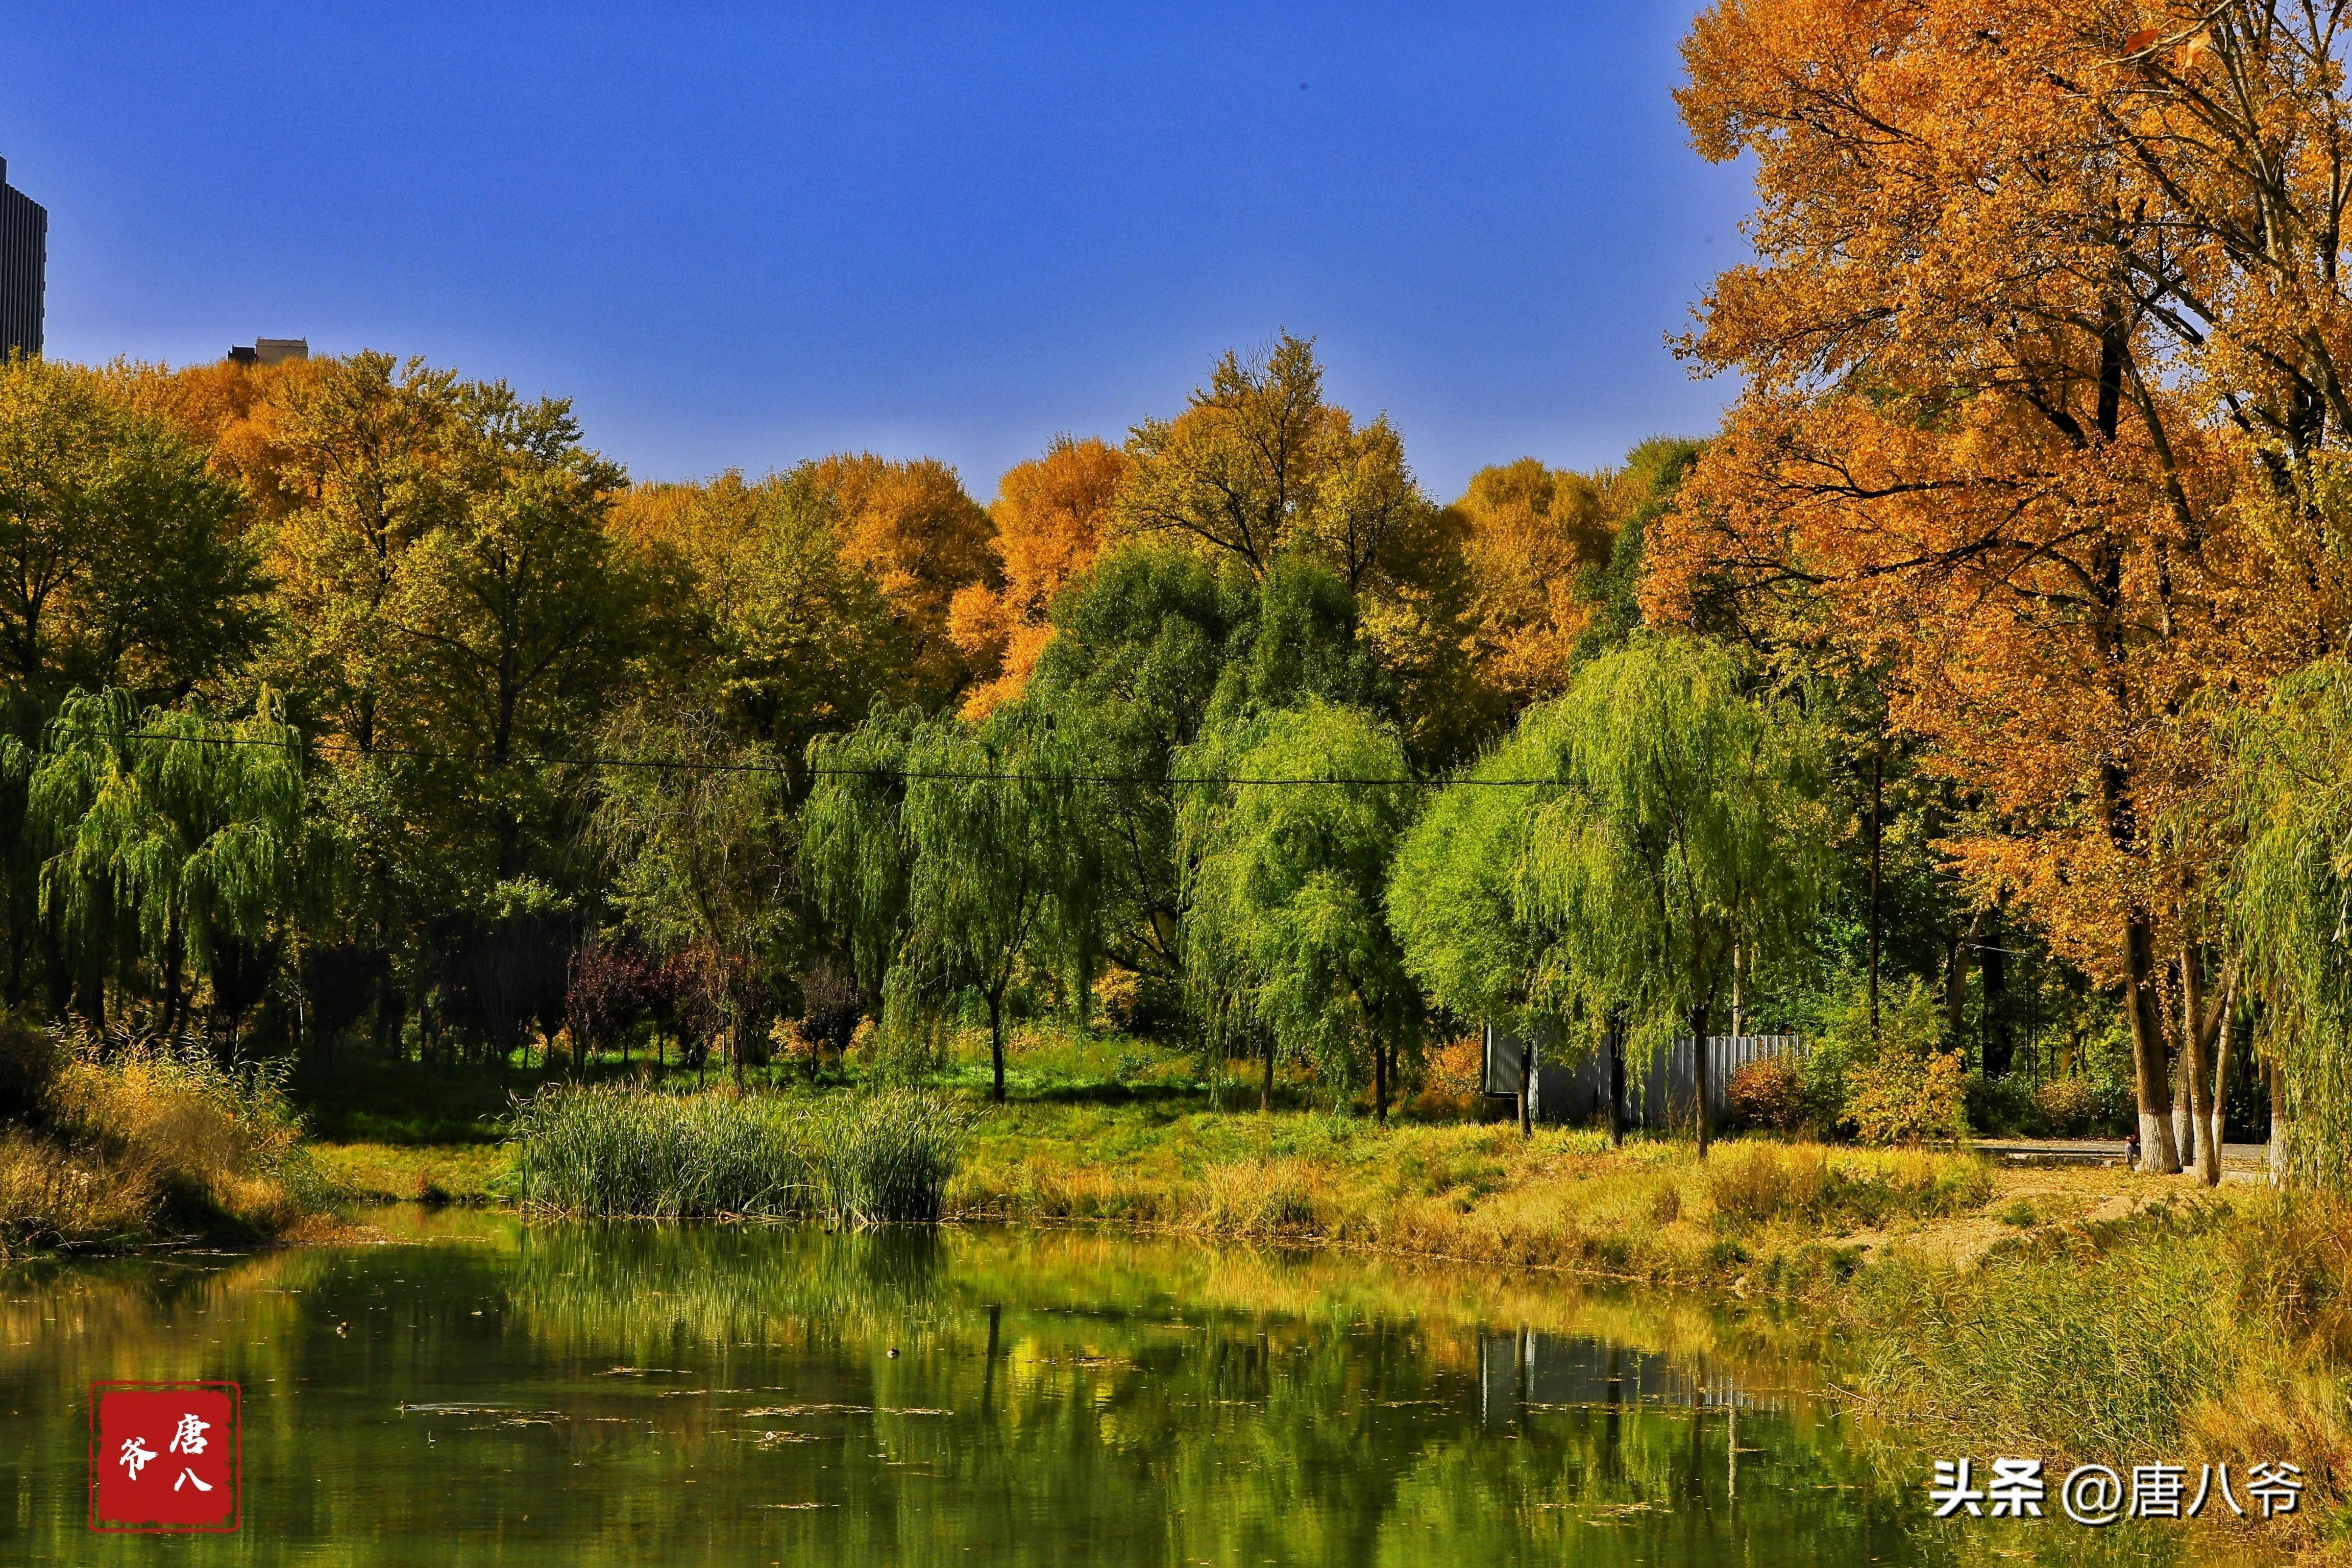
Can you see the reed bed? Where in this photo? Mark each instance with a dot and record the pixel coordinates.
(880, 1158)
(2101, 1350)
(2217, 1328)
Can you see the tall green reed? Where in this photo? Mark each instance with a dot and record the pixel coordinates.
(850, 1160)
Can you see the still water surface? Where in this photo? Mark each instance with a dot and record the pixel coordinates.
(478, 1390)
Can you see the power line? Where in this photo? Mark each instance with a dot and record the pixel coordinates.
(482, 761)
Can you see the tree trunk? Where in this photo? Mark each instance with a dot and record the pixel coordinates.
(1997, 1053)
(1616, 1046)
(2204, 1112)
(2208, 1077)
(2217, 1113)
(1878, 835)
(1699, 1074)
(1955, 991)
(1381, 1083)
(1955, 984)
(2278, 1123)
(1527, 1092)
(172, 988)
(2187, 1099)
(2150, 1080)
(1530, 1065)
(996, 1045)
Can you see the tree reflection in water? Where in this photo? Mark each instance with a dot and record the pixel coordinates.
(592, 1393)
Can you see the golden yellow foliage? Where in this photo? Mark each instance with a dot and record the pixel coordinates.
(230, 411)
(775, 618)
(1259, 465)
(1530, 531)
(1049, 514)
(910, 526)
(2040, 417)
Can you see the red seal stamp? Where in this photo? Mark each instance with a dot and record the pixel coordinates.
(164, 1456)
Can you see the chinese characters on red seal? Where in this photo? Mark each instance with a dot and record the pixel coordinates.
(164, 1456)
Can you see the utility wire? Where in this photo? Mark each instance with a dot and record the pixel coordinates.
(695, 764)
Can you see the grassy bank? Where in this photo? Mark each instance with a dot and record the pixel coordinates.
(145, 1143)
(473, 1173)
(1757, 1216)
(2096, 1314)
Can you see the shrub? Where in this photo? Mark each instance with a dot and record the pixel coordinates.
(1893, 1084)
(1897, 1098)
(1453, 1084)
(1846, 1049)
(1770, 1093)
(2005, 1104)
(831, 1009)
(2068, 1106)
(859, 1160)
(1119, 993)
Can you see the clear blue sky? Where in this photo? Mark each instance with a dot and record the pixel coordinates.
(743, 235)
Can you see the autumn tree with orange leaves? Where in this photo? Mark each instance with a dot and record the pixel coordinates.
(2042, 404)
(232, 411)
(911, 526)
(1049, 516)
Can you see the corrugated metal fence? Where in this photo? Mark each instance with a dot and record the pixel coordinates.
(1659, 1092)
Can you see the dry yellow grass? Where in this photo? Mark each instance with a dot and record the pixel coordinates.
(150, 1144)
(1767, 1215)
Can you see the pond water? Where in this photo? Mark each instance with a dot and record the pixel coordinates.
(477, 1389)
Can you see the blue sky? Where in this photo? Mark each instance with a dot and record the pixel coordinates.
(742, 235)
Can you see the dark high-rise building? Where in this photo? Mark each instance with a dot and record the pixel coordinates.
(23, 267)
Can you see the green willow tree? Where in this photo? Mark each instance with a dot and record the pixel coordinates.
(2286, 897)
(1153, 646)
(696, 830)
(173, 834)
(949, 857)
(1674, 825)
(1287, 838)
(1692, 832)
(1454, 897)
